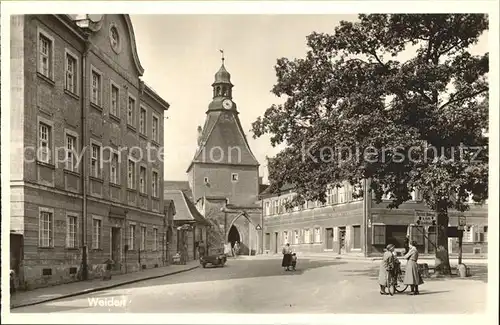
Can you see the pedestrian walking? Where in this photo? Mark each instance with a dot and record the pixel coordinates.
(287, 257)
(236, 249)
(386, 269)
(412, 275)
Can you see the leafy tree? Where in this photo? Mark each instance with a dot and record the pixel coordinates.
(395, 99)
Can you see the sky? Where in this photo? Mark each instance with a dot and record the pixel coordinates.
(180, 55)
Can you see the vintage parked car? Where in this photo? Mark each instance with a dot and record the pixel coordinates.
(214, 260)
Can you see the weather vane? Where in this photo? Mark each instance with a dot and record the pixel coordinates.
(222, 55)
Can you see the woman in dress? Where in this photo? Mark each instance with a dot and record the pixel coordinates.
(412, 276)
(386, 268)
(287, 257)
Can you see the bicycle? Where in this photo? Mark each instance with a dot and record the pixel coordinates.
(396, 280)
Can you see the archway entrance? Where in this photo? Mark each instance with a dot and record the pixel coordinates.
(233, 236)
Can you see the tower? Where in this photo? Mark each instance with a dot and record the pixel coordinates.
(224, 165)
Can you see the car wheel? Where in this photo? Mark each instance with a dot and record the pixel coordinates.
(204, 265)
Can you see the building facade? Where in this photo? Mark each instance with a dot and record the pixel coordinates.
(360, 226)
(223, 176)
(83, 188)
(189, 227)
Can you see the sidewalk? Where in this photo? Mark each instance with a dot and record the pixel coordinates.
(360, 258)
(37, 296)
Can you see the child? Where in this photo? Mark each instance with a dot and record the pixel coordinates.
(294, 261)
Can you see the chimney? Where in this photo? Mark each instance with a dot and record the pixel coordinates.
(200, 130)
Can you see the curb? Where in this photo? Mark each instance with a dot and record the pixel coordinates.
(91, 290)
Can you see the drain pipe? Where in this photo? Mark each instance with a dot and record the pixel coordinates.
(84, 151)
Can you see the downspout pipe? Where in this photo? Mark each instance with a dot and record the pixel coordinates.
(84, 148)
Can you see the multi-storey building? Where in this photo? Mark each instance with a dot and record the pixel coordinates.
(349, 225)
(223, 177)
(86, 131)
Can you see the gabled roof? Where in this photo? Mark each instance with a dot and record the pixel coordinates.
(286, 188)
(223, 129)
(184, 208)
(178, 185)
(96, 20)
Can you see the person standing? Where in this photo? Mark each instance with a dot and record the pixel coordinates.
(287, 257)
(201, 249)
(412, 275)
(386, 269)
(236, 249)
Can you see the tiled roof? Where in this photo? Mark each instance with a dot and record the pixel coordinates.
(223, 130)
(285, 188)
(184, 208)
(178, 185)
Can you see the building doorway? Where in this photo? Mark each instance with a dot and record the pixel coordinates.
(268, 242)
(116, 246)
(432, 240)
(342, 232)
(329, 238)
(234, 236)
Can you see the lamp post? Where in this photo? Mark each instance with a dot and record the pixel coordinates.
(259, 228)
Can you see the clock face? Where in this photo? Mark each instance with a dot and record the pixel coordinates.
(227, 104)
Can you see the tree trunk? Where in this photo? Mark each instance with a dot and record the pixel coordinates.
(442, 266)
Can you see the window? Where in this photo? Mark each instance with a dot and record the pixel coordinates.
(96, 88)
(317, 235)
(131, 238)
(307, 236)
(143, 238)
(348, 191)
(44, 143)
(96, 233)
(71, 71)
(234, 177)
(45, 55)
(296, 237)
(115, 39)
(285, 237)
(115, 100)
(155, 239)
(481, 234)
(131, 110)
(155, 128)
(468, 234)
(154, 183)
(356, 242)
(70, 152)
(131, 174)
(268, 207)
(114, 168)
(71, 226)
(46, 232)
(417, 234)
(378, 234)
(142, 121)
(342, 196)
(96, 160)
(142, 179)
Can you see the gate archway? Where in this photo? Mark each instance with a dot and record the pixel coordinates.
(233, 236)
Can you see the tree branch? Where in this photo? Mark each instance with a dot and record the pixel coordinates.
(463, 98)
(374, 53)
